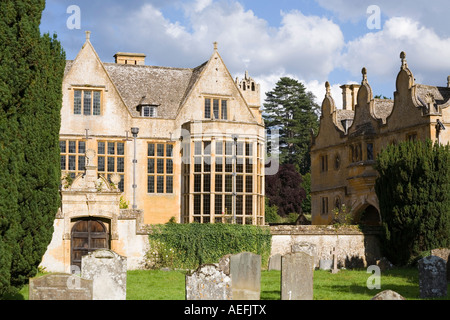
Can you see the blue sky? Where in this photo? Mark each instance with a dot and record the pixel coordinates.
(311, 40)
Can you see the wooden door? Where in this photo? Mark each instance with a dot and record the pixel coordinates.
(87, 236)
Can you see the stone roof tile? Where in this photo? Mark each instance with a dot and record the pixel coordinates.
(164, 87)
(383, 108)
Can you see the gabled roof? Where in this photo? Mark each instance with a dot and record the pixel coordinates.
(441, 95)
(161, 86)
(164, 87)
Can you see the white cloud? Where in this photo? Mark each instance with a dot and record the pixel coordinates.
(428, 54)
(302, 47)
(199, 5)
(433, 13)
(305, 46)
(318, 89)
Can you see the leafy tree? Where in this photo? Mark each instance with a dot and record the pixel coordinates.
(293, 111)
(413, 190)
(284, 190)
(271, 212)
(31, 73)
(306, 185)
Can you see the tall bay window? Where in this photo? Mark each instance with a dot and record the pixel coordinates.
(224, 182)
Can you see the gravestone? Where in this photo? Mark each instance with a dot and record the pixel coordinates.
(108, 270)
(443, 253)
(275, 262)
(388, 295)
(297, 276)
(245, 272)
(335, 268)
(306, 247)
(384, 264)
(60, 286)
(208, 282)
(432, 277)
(325, 264)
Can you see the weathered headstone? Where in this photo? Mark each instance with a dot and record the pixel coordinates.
(335, 268)
(208, 282)
(297, 276)
(443, 253)
(325, 264)
(432, 277)
(245, 271)
(384, 264)
(275, 262)
(108, 270)
(60, 286)
(388, 295)
(306, 247)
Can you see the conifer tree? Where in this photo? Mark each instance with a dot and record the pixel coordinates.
(413, 190)
(31, 72)
(292, 110)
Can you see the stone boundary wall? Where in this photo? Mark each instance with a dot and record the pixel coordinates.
(355, 248)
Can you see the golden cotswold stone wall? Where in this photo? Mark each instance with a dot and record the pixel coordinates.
(345, 148)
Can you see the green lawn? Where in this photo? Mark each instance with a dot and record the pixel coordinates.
(345, 285)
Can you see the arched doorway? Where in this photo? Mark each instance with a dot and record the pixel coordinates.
(369, 216)
(87, 235)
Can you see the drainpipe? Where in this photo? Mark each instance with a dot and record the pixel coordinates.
(135, 132)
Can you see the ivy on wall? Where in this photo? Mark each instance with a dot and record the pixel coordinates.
(187, 246)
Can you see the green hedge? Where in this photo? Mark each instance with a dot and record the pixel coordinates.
(413, 189)
(187, 246)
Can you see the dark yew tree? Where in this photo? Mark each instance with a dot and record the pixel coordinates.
(413, 190)
(31, 74)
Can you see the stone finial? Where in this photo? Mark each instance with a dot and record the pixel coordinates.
(403, 58)
(364, 74)
(88, 35)
(215, 45)
(115, 179)
(327, 88)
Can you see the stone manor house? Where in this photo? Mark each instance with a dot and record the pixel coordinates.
(345, 149)
(180, 144)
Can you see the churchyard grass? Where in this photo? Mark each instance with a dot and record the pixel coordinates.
(345, 285)
(155, 285)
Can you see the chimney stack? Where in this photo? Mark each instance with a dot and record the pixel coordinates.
(349, 95)
(130, 58)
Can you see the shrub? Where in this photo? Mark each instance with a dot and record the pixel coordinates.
(186, 246)
(413, 190)
(271, 213)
